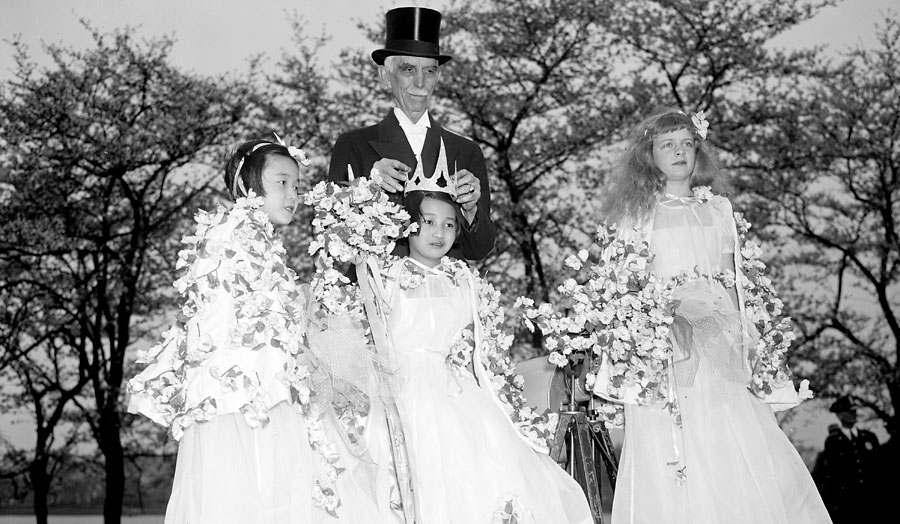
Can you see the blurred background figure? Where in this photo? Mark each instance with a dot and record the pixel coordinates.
(846, 470)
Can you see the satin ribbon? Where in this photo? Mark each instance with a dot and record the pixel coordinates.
(368, 275)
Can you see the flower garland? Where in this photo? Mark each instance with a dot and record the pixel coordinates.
(613, 310)
(768, 361)
(249, 264)
(538, 428)
(460, 356)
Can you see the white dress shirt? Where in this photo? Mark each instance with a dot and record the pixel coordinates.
(415, 132)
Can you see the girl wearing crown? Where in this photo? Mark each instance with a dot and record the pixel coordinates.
(469, 463)
(720, 457)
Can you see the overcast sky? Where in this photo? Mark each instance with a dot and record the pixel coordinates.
(217, 36)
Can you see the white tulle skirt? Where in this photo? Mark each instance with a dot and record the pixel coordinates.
(729, 462)
(229, 473)
(469, 464)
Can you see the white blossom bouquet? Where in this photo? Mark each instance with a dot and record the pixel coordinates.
(613, 309)
(351, 222)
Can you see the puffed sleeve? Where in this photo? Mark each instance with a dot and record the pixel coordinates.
(165, 388)
(724, 221)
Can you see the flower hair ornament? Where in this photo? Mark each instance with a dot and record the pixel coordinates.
(296, 153)
(700, 124)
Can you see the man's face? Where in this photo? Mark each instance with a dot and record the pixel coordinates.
(848, 418)
(412, 80)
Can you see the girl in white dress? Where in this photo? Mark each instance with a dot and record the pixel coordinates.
(728, 461)
(234, 379)
(469, 463)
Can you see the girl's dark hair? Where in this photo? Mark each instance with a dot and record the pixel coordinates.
(251, 159)
(412, 202)
(636, 181)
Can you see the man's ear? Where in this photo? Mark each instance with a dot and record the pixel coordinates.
(383, 75)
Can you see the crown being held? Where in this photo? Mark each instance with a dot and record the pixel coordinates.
(440, 181)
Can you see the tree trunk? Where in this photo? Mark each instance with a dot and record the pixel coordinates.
(114, 465)
(528, 248)
(40, 482)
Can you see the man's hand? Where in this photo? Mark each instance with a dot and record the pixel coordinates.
(468, 191)
(389, 174)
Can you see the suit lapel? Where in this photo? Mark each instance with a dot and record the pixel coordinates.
(392, 142)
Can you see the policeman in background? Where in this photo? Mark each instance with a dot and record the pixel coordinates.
(846, 470)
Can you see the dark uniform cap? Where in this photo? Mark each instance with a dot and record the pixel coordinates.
(842, 405)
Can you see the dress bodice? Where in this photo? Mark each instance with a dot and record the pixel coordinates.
(688, 234)
(429, 307)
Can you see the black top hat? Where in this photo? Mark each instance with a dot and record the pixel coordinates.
(843, 405)
(411, 31)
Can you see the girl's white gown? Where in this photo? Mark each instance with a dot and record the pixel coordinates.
(233, 468)
(739, 466)
(469, 462)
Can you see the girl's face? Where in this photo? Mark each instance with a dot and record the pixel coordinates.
(436, 234)
(281, 182)
(674, 153)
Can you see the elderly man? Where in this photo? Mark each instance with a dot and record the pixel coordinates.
(408, 143)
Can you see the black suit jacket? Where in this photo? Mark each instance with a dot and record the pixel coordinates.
(361, 148)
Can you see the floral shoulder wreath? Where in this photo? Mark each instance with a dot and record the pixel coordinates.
(250, 255)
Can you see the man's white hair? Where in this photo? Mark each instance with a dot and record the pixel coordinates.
(390, 62)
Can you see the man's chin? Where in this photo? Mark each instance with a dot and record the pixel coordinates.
(418, 104)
